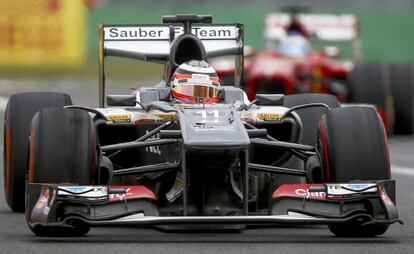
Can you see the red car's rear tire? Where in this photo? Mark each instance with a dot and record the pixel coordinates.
(369, 84)
(353, 146)
(402, 84)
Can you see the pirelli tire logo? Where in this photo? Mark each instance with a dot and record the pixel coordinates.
(163, 32)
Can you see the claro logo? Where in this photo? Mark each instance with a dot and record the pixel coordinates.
(307, 193)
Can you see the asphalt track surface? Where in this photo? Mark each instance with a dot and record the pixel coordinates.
(15, 237)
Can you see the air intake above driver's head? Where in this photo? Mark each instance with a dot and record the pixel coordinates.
(185, 48)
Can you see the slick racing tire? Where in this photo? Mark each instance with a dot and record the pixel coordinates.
(369, 84)
(353, 146)
(310, 116)
(63, 149)
(19, 112)
(402, 84)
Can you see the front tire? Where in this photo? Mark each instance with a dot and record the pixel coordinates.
(353, 146)
(62, 150)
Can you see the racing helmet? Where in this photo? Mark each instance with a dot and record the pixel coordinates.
(294, 45)
(195, 81)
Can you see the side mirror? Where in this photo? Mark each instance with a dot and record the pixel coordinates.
(331, 51)
(269, 99)
(121, 100)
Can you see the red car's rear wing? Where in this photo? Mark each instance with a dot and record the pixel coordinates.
(321, 27)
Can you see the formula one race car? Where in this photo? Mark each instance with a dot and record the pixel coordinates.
(290, 66)
(189, 154)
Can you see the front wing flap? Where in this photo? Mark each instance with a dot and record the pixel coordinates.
(62, 205)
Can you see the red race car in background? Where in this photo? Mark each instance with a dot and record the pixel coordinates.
(291, 65)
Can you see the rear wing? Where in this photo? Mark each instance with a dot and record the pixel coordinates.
(320, 27)
(153, 42)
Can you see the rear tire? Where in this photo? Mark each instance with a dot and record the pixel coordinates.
(62, 150)
(19, 112)
(310, 116)
(402, 84)
(353, 146)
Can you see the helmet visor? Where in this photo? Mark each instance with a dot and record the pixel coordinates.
(191, 90)
(197, 90)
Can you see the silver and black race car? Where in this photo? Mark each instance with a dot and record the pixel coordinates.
(146, 160)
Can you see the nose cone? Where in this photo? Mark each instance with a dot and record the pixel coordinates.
(212, 127)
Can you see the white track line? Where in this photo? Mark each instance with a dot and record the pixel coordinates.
(398, 170)
(3, 103)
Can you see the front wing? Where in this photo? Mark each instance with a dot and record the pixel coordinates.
(50, 205)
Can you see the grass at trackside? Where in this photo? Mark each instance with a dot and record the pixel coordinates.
(388, 36)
